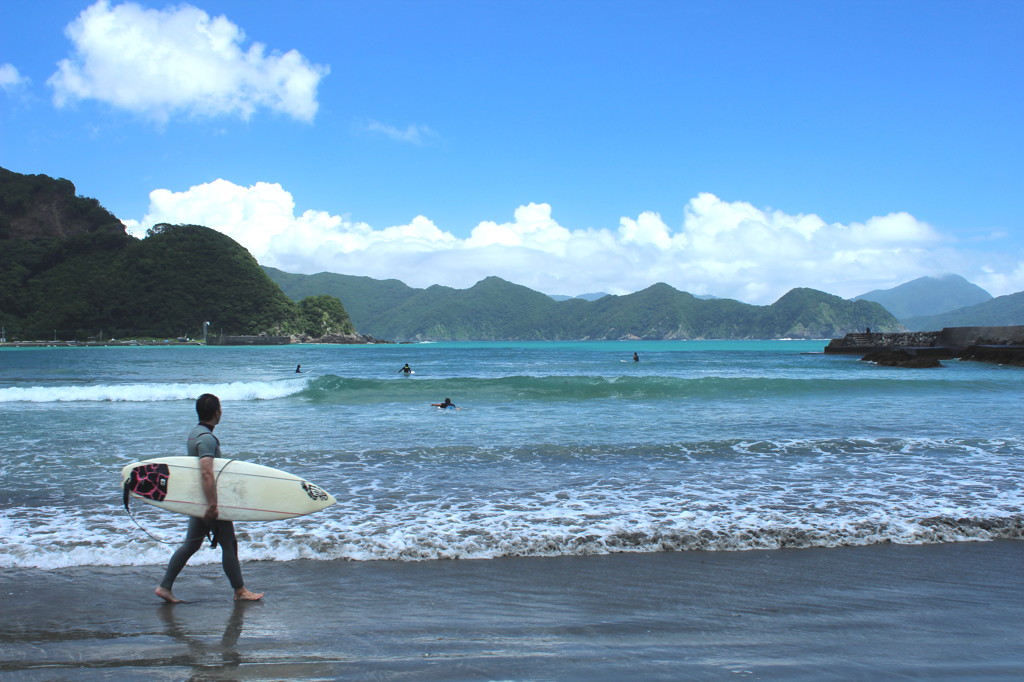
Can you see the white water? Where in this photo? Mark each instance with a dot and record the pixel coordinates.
(713, 449)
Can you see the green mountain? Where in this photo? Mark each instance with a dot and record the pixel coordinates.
(69, 270)
(998, 312)
(494, 309)
(807, 313)
(365, 299)
(928, 296)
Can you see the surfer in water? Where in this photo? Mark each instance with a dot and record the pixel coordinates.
(636, 358)
(298, 369)
(446, 405)
(204, 445)
(407, 370)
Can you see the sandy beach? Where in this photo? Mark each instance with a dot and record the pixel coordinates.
(953, 611)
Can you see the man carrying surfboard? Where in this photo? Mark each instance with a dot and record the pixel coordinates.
(204, 445)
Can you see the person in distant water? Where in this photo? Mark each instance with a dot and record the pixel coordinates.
(869, 330)
(298, 369)
(446, 405)
(204, 445)
(636, 358)
(407, 370)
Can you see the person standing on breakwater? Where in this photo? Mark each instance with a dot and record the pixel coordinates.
(204, 445)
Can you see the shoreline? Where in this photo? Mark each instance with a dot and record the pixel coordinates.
(94, 344)
(136, 343)
(936, 611)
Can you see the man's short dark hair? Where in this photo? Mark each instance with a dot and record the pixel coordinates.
(207, 406)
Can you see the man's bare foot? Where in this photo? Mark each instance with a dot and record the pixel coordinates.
(167, 595)
(242, 594)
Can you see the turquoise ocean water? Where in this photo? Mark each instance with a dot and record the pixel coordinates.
(557, 448)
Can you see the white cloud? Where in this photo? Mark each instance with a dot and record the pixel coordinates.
(999, 283)
(160, 62)
(728, 249)
(533, 229)
(413, 134)
(10, 78)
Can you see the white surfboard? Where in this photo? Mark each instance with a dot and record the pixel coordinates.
(245, 491)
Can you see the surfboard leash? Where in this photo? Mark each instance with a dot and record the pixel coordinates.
(151, 536)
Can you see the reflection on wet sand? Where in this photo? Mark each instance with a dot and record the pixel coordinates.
(203, 654)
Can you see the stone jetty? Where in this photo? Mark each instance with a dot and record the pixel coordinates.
(1002, 345)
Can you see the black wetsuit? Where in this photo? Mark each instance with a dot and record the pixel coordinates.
(202, 443)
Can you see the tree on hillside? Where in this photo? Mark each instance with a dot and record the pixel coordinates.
(322, 315)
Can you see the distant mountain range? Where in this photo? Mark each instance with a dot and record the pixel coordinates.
(931, 303)
(497, 309)
(928, 296)
(494, 309)
(585, 297)
(594, 297)
(1003, 311)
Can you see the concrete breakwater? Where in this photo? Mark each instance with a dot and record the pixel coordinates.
(261, 340)
(1003, 345)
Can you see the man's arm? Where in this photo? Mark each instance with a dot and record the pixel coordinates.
(209, 482)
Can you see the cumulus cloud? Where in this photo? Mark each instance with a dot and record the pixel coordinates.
(413, 134)
(727, 249)
(1003, 282)
(180, 60)
(10, 78)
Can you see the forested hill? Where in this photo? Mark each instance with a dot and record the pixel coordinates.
(495, 309)
(1002, 311)
(69, 270)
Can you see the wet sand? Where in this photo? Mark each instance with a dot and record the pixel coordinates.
(951, 611)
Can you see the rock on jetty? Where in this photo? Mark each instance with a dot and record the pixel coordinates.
(900, 358)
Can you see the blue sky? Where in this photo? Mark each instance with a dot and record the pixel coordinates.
(730, 148)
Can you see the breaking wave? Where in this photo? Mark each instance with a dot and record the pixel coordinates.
(236, 390)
